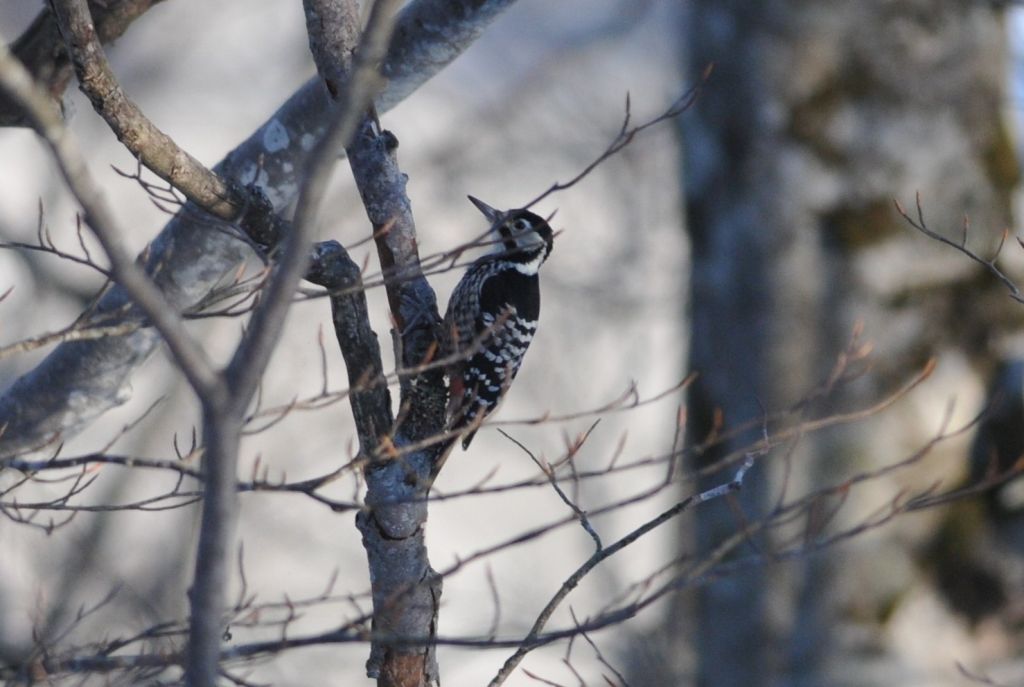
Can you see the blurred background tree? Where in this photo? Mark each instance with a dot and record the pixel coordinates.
(821, 116)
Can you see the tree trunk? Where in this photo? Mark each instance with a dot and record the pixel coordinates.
(817, 115)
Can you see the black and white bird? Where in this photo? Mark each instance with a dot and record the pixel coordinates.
(492, 316)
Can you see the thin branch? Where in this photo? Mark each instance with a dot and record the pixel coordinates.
(549, 472)
(920, 225)
(86, 261)
(78, 331)
(703, 571)
(627, 134)
(682, 572)
(95, 459)
(977, 678)
(530, 641)
(698, 574)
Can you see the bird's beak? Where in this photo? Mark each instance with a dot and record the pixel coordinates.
(490, 213)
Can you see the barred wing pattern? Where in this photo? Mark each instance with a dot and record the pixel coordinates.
(491, 320)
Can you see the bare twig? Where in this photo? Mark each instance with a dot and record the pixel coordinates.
(920, 225)
(627, 134)
(549, 472)
(682, 573)
(78, 331)
(977, 678)
(530, 641)
(85, 261)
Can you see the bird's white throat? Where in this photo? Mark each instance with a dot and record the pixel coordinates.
(532, 267)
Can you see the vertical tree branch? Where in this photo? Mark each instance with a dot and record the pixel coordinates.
(328, 22)
(369, 395)
(374, 161)
(217, 526)
(224, 424)
(406, 590)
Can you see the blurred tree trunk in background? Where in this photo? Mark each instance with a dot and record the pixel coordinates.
(818, 114)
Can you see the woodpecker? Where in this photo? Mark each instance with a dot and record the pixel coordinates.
(492, 316)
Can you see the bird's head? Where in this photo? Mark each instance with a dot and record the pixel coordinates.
(522, 235)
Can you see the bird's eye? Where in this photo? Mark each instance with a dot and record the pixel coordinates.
(521, 225)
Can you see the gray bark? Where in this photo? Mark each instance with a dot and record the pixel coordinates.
(817, 115)
(406, 590)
